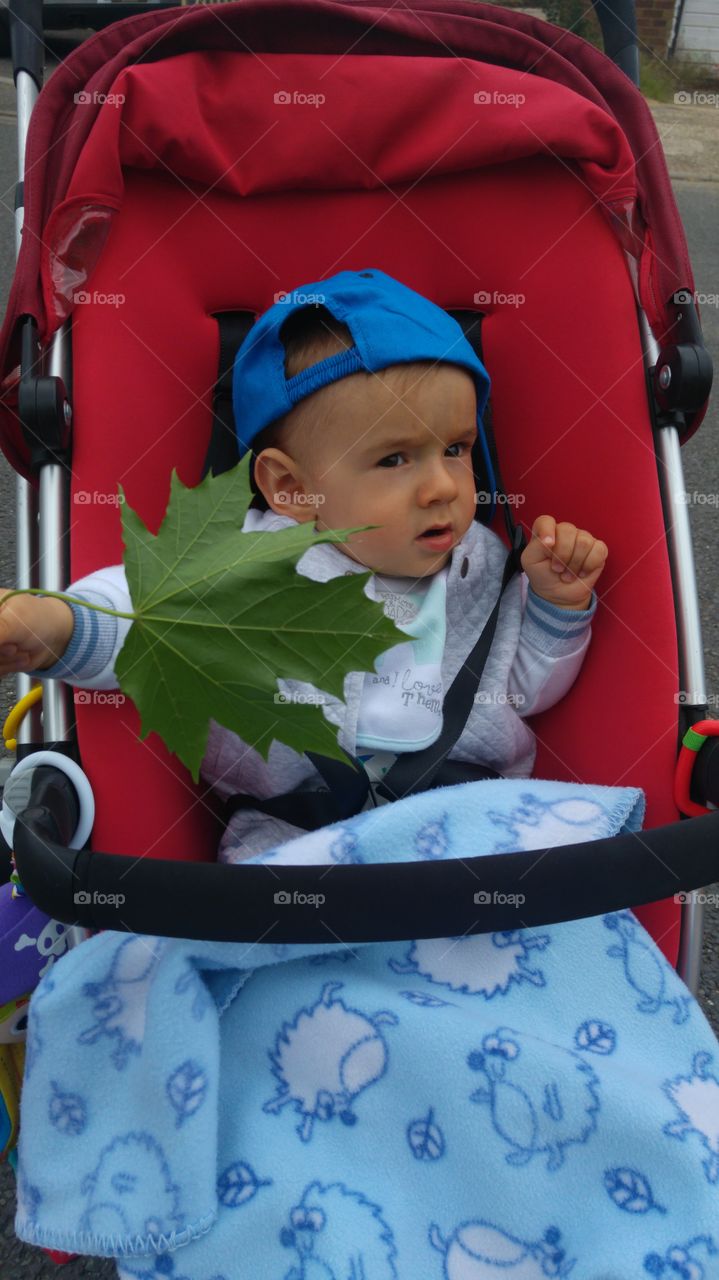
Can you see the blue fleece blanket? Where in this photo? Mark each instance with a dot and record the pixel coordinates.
(526, 1104)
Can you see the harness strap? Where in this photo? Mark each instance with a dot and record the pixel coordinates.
(348, 785)
(319, 808)
(222, 452)
(418, 770)
(415, 771)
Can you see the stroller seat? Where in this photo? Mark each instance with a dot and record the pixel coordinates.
(206, 191)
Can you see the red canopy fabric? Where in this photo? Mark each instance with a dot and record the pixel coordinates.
(232, 129)
(71, 102)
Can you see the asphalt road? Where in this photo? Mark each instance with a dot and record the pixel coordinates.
(698, 201)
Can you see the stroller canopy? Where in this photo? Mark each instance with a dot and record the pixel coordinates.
(628, 176)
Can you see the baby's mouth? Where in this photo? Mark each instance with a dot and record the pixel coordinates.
(438, 538)
(435, 529)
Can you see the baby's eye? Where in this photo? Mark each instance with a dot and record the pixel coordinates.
(460, 444)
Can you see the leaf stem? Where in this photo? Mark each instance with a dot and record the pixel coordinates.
(61, 595)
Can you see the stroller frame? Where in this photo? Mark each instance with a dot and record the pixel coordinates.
(43, 551)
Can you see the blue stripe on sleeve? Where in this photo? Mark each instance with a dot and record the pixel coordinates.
(573, 621)
(91, 644)
(552, 630)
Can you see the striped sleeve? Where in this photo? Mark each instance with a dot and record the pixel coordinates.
(553, 630)
(92, 642)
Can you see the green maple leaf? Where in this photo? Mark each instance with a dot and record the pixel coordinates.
(219, 615)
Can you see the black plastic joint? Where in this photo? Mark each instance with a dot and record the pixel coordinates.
(681, 379)
(43, 406)
(26, 42)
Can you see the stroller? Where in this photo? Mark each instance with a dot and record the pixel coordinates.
(107, 176)
(248, 127)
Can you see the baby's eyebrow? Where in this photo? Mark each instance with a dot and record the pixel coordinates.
(393, 442)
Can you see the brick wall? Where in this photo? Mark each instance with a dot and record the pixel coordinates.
(654, 24)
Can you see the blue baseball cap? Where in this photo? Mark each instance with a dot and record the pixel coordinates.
(389, 323)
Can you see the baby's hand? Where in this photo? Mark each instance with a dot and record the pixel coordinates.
(34, 632)
(563, 563)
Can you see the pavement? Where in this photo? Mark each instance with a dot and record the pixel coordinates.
(689, 132)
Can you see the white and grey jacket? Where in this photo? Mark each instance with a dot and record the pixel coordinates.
(535, 658)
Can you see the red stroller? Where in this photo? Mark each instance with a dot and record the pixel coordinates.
(182, 167)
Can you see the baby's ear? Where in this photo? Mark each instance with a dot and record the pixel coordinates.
(278, 478)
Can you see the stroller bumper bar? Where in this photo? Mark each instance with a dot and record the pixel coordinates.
(350, 903)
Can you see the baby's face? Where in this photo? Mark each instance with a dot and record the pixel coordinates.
(398, 454)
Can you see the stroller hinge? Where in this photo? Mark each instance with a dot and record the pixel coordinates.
(680, 380)
(43, 405)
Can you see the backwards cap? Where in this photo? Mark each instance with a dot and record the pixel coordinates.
(389, 323)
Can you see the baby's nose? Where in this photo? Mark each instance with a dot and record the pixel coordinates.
(439, 483)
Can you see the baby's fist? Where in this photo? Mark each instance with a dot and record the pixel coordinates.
(563, 563)
(34, 632)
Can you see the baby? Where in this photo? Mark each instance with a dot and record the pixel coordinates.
(362, 408)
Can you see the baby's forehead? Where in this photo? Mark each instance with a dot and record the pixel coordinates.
(406, 390)
(407, 403)
(411, 373)
(416, 380)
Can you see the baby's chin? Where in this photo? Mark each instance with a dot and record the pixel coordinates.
(394, 565)
(412, 567)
